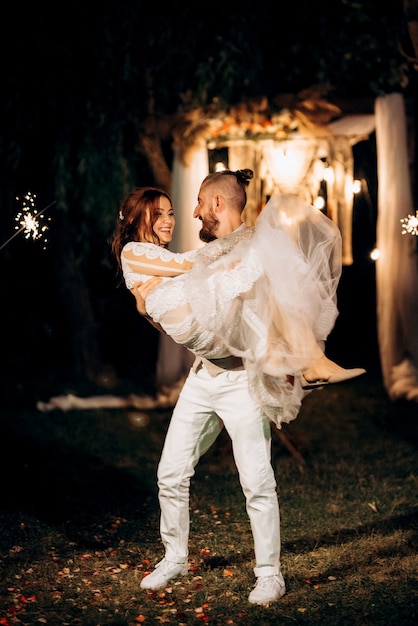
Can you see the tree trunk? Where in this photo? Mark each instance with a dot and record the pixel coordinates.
(76, 303)
(151, 147)
(411, 19)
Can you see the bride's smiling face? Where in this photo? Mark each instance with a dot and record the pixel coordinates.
(165, 221)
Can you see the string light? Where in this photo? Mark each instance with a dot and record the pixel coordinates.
(356, 186)
(319, 203)
(328, 175)
(410, 224)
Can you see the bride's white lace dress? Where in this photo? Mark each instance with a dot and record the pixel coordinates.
(265, 293)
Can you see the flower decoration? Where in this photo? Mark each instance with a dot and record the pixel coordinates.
(305, 114)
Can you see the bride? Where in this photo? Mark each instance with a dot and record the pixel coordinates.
(266, 294)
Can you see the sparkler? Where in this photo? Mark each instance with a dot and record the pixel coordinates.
(410, 224)
(30, 220)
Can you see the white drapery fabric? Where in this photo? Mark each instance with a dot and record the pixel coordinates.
(174, 360)
(396, 269)
(186, 184)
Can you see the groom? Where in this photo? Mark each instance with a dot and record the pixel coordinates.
(216, 395)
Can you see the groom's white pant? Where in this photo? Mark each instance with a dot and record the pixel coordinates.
(205, 404)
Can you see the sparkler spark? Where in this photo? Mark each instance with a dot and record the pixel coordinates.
(29, 220)
(410, 224)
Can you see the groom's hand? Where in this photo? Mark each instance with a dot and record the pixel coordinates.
(141, 291)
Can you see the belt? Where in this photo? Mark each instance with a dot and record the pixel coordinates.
(216, 366)
(228, 363)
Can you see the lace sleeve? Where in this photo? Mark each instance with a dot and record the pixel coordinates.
(142, 260)
(146, 258)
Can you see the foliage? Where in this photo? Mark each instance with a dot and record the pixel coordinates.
(92, 84)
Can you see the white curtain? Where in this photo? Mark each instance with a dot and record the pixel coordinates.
(396, 269)
(174, 361)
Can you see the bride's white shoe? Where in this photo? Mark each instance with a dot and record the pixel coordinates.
(322, 372)
(338, 377)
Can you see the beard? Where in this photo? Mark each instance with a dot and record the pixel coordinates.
(209, 227)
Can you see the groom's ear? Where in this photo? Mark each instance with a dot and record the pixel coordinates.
(218, 203)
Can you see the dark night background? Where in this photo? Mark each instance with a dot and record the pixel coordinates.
(78, 84)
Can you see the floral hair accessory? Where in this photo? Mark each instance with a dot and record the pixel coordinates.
(120, 215)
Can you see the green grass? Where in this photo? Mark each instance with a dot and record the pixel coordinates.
(79, 519)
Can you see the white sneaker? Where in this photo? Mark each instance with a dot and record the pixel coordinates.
(163, 573)
(267, 589)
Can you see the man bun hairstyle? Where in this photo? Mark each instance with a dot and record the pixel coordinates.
(244, 176)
